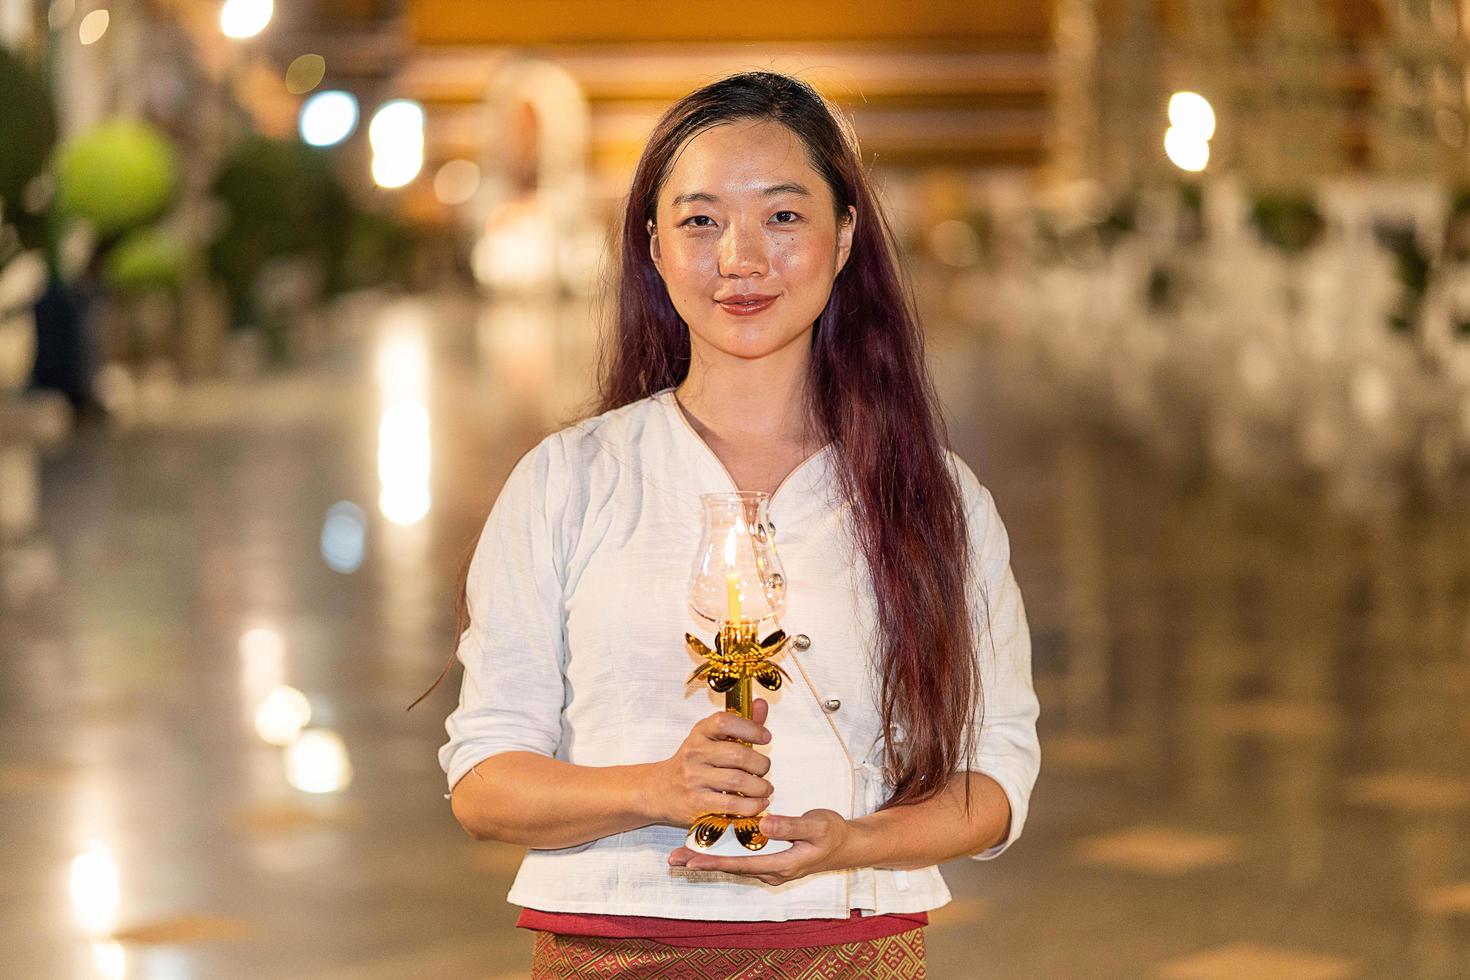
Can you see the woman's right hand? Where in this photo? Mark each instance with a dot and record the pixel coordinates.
(710, 767)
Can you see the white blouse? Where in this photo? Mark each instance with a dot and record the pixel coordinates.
(575, 649)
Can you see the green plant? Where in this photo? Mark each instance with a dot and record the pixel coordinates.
(1287, 220)
(281, 198)
(378, 249)
(149, 259)
(1457, 228)
(1412, 267)
(28, 123)
(1120, 222)
(118, 176)
(27, 137)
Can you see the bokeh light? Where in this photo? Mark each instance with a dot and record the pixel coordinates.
(306, 73)
(1186, 151)
(518, 251)
(282, 715)
(344, 537)
(95, 892)
(317, 762)
(402, 364)
(262, 666)
(262, 652)
(1192, 114)
(403, 462)
(110, 959)
(93, 26)
(328, 118)
(242, 19)
(397, 138)
(456, 182)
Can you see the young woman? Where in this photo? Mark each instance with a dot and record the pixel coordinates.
(762, 342)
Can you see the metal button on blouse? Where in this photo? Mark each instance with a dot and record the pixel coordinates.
(801, 641)
(832, 704)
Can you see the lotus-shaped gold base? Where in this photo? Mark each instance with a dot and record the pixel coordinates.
(708, 828)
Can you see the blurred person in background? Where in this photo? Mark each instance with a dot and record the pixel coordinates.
(762, 341)
(68, 338)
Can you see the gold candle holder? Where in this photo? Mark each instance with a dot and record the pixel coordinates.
(736, 584)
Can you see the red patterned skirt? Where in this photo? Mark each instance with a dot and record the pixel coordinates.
(558, 957)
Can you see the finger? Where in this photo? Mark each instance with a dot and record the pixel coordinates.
(760, 708)
(743, 806)
(750, 866)
(679, 857)
(728, 725)
(793, 828)
(739, 781)
(733, 755)
(768, 870)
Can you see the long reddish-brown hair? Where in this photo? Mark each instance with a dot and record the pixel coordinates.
(870, 396)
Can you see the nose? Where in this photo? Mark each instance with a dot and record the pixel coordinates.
(743, 251)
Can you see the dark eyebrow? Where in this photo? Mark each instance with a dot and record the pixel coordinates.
(789, 188)
(704, 197)
(694, 196)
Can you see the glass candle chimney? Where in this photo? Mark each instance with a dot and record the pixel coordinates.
(737, 577)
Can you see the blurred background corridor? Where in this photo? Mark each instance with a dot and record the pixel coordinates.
(285, 291)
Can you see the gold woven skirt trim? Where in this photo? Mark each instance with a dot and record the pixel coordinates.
(558, 957)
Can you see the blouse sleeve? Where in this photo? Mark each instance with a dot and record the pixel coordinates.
(514, 650)
(1006, 747)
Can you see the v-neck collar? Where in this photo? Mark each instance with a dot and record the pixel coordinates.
(671, 404)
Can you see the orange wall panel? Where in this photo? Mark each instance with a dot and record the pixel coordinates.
(531, 22)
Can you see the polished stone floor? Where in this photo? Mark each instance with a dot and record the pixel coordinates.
(1256, 714)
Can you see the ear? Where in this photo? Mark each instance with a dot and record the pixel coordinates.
(845, 229)
(653, 250)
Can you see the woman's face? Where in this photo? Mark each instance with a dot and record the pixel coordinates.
(747, 240)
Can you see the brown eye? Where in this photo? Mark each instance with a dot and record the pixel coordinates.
(785, 217)
(698, 221)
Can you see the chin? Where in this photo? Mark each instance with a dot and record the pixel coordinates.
(749, 353)
(753, 343)
(753, 351)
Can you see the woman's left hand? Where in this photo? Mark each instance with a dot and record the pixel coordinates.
(818, 838)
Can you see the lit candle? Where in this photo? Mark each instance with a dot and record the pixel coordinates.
(732, 578)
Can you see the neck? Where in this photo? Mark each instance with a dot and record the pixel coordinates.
(750, 400)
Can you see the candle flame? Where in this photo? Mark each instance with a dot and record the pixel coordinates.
(732, 578)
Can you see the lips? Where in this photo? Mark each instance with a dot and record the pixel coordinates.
(747, 305)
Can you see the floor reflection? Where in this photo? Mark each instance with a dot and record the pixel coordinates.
(1255, 712)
